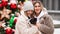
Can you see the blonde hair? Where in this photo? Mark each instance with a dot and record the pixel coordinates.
(39, 3)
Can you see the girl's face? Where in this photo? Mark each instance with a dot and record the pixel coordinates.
(29, 12)
(37, 8)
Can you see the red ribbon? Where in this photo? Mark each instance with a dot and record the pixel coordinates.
(9, 31)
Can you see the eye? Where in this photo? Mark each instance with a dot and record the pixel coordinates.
(37, 6)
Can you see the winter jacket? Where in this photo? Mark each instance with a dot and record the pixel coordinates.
(23, 27)
(46, 22)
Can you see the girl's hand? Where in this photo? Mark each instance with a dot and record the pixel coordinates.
(38, 25)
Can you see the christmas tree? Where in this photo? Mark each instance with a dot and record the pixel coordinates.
(8, 15)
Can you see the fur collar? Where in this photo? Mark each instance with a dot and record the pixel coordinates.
(43, 12)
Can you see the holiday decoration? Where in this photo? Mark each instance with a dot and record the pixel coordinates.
(4, 3)
(1, 5)
(5, 14)
(12, 20)
(15, 20)
(9, 30)
(8, 16)
(13, 6)
(2, 31)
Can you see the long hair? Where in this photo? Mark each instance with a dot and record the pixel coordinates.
(39, 3)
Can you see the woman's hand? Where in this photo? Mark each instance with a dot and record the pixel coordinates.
(38, 25)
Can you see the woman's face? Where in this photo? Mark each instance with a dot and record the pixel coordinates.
(29, 12)
(37, 8)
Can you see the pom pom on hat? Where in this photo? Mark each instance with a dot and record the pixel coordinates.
(28, 6)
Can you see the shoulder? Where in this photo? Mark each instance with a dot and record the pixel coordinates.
(20, 17)
(47, 17)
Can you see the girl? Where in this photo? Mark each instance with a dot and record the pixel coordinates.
(23, 25)
(44, 20)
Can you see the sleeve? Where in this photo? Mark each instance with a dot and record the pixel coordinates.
(48, 27)
(16, 30)
(16, 27)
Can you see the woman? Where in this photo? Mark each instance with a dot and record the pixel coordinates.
(44, 21)
(23, 24)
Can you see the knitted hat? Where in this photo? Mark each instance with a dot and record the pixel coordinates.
(28, 6)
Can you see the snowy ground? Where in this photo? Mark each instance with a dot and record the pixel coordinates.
(56, 30)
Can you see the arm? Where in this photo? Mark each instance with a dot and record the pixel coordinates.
(48, 27)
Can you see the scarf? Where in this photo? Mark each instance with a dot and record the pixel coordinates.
(43, 12)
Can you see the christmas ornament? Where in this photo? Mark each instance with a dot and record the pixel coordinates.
(15, 20)
(5, 14)
(1, 5)
(4, 3)
(13, 6)
(12, 20)
(9, 30)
